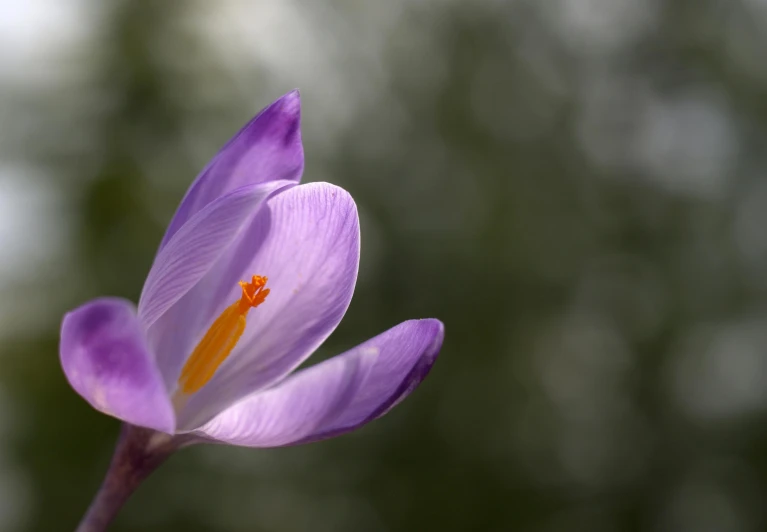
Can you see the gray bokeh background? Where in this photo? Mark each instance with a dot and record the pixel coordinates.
(575, 187)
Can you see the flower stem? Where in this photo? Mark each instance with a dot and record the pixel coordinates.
(138, 453)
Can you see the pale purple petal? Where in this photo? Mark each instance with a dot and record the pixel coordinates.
(198, 245)
(105, 358)
(335, 396)
(268, 148)
(306, 240)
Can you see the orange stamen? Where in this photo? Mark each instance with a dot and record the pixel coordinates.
(221, 338)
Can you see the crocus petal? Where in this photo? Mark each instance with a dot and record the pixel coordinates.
(268, 148)
(310, 252)
(105, 358)
(198, 245)
(335, 396)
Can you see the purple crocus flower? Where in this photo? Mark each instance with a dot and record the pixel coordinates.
(252, 275)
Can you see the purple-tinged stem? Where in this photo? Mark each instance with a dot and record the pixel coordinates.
(138, 453)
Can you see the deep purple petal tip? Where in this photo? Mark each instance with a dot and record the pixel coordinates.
(105, 358)
(267, 148)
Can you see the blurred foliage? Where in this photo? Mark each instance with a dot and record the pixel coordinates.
(575, 188)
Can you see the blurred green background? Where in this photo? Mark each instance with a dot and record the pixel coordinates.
(576, 188)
